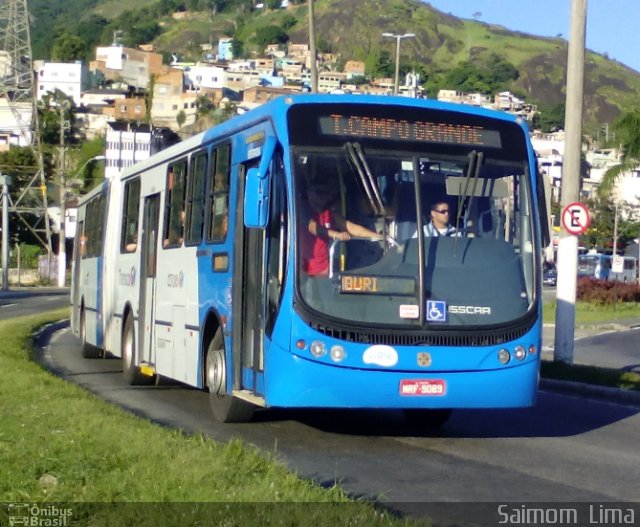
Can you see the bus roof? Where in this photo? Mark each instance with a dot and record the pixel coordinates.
(276, 111)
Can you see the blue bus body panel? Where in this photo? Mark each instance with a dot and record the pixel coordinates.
(321, 385)
(472, 376)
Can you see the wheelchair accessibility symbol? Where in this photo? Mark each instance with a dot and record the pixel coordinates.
(436, 311)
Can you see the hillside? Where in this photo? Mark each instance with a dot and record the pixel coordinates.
(352, 29)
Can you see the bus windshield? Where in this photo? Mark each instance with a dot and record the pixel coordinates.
(474, 207)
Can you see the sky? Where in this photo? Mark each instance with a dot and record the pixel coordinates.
(613, 26)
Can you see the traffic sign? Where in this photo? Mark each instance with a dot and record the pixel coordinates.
(617, 264)
(576, 218)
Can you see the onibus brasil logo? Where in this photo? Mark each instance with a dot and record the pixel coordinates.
(38, 515)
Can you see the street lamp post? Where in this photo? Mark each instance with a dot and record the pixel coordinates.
(62, 250)
(398, 39)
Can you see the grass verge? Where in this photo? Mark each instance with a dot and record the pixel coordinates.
(60, 444)
(591, 314)
(612, 378)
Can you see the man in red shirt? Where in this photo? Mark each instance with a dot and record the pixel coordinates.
(325, 225)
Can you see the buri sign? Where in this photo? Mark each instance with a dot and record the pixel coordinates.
(576, 218)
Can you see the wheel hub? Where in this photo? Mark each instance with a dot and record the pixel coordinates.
(216, 376)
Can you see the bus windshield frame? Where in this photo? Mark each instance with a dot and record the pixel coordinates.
(379, 175)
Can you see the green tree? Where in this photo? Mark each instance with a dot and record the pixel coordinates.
(93, 172)
(50, 115)
(549, 118)
(288, 21)
(68, 47)
(181, 118)
(627, 129)
(323, 46)
(601, 231)
(237, 47)
(21, 164)
(382, 65)
(90, 31)
(270, 35)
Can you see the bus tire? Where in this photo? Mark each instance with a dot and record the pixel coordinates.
(130, 371)
(427, 418)
(88, 351)
(225, 408)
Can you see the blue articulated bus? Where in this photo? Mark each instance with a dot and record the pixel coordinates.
(294, 257)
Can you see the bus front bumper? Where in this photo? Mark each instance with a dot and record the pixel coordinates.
(295, 382)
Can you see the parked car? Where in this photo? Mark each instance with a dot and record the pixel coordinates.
(549, 274)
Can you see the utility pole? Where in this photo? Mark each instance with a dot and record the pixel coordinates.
(4, 183)
(62, 197)
(568, 245)
(312, 49)
(615, 230)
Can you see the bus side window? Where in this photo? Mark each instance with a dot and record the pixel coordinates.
(131, 205)
(195, 197)
(218, 193)
(94, 227)
(174, 213)
(82, 240)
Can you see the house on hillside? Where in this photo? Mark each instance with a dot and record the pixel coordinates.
(354, 68)
(132, 66)
(169, 99)
(225, 49)
(127, 144)
(70, 78)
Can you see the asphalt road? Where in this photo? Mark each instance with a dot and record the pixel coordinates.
(565, 449)
(27, 301)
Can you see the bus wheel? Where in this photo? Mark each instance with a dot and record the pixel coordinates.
(225, 408)
(427, 418)
(88, 351)
(130, 371)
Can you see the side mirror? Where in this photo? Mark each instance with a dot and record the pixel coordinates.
(256, 189)
(256, 200)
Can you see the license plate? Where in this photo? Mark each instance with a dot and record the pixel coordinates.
(421, 387)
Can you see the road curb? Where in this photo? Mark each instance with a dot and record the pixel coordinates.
(591, 390)
(41, 337)
(40, 340)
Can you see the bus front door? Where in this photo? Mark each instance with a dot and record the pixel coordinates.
(148, 267)
(249, 305)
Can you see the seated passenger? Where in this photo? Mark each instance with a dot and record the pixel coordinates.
(439, 224)
(326, 224)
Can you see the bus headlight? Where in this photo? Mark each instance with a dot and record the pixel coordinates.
(504, 356)
(317, 348)
(519, 352)
(337, 353)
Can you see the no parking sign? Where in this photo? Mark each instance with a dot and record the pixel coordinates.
(576, 218)
(617, 264)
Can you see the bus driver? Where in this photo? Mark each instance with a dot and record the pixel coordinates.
(439, 224)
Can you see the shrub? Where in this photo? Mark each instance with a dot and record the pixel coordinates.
(606, 292)
(28, 256)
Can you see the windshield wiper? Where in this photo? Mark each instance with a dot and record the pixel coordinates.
(466, 198)
(356, 156)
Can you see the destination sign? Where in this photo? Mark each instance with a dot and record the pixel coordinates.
(378, 285)
(406, 130)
